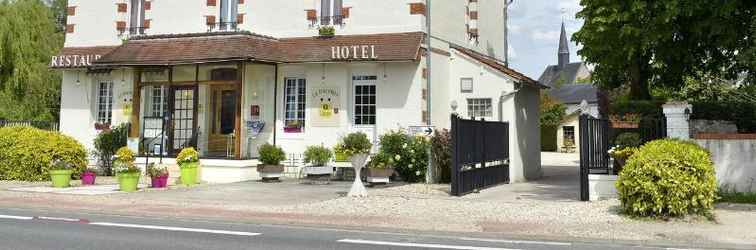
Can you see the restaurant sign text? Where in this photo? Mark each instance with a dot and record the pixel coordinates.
(63, 61)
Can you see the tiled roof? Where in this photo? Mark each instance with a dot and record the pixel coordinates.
(498, 65)
(575, 93)
(554, 76)
(245, 46)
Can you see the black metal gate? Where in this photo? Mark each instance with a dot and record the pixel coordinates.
(480, 154)
(596, 138)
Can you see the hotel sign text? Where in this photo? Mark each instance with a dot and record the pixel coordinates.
(354, 52)
(73, 60)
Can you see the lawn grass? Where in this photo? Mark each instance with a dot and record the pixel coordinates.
(738, 197)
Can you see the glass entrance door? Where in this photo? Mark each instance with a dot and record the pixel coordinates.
(183, 118)
(223, 114)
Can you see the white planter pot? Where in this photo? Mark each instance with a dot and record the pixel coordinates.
(377, 179)
(322, 170)
(601, 187)
(270, 175)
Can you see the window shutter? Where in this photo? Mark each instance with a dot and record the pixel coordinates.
(69, 28)
(240, 18)
(241, 1)
(211, 2)
(312, 15)
(210, 20)
(417, 9)
(71, 11)
(345, 11)
(122, 8)
(148, 5)
(146, 23)
(121, 26)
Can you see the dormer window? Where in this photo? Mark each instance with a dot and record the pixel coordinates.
(331, 12)
(229, 10)
(136, 19)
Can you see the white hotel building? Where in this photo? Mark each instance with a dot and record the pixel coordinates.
(226, 76)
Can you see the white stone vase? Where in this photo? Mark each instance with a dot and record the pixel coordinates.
(358, 162)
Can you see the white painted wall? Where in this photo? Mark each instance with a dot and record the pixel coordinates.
(734, 163)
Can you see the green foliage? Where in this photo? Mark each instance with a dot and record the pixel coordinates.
(61, 165)
(354, 143)
(552, 111)
(187, 156)
(409, 153)
(668, 178)
(317, 155)
(327, 31)
(549, 138)
(271, 155)
(156, 170)
(381, 160)
(26, 153)
(737, 197)
(441, 151)
(107, 143)
(645, 108)
(723, 102)
(647, 43)
(29, 90)
(628, 139)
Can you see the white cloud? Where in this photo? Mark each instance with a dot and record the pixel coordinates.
(550, 36)
(511, 52)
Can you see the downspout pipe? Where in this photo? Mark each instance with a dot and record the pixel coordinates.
(429, 176)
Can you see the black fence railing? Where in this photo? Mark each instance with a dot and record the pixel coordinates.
(480, 154)
(46, 125)
(328, 20)
(223, 26)
(597, 136)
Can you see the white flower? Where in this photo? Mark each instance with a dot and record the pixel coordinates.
(413, 160)
(404, 146)
(409, 166)
(412, 151)
(417, 173)
(397, 157)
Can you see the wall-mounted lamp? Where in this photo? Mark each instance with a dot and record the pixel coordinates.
(687, 114)
(78, 81)
(454, 106)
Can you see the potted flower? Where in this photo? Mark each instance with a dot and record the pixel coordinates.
(292, 127)
(88, 177)
(356, 147)
(188, 161)
(318, 157)
(380, 168)
(158, 175)
(271, 157)
(60, 173)
(127, 172)
(327, 31)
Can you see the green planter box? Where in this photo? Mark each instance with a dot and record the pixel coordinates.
(128, 182)
(61, 178)
(189, 173)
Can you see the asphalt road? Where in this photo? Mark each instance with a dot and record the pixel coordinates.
(30, 229)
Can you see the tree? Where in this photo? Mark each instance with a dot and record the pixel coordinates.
(552, 111)
(655, 43)
(28, 37)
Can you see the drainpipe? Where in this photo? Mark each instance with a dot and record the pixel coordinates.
(275, 104)
(430, 173)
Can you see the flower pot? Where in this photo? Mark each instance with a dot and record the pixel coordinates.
(159, 181)
(341, 157)
(270, 172)
(379, 175)
(189, 173)
(128, 182)
(358, 189)
(88, 178)
(61, 178)
(318, 170)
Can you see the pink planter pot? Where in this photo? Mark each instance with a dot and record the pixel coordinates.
(88, 178)
(160, 182)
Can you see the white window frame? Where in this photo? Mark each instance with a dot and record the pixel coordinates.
(462, 84)
(159, 108)
(231, 8)
(104, 100)
(480, 107)
(370, 81)
(299, 83)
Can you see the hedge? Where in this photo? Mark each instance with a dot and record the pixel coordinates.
(26, 153)
(668, 178)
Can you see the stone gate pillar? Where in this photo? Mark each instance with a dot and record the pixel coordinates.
(678, 119)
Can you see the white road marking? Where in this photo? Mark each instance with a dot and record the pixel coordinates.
(13, 217)
(179, 229)
(59, 219)
(549, 243)
(418, 245)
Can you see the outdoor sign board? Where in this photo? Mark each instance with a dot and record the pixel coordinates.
(354, 52)
(68, 61)
(327, 101)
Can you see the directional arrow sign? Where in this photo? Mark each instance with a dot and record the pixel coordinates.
(422, 130)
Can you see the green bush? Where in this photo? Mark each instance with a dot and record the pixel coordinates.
(107, 143)
(668, 178)
(410, 154)
(549, 138)
(628, 139)
(646, 109)
(317, 155)
(441, 154)
(381, 160)
(271, 155)
(26, 153)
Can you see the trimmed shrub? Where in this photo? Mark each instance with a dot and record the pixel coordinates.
(317, 155)
(441, 154)
(107, 143)
(26, 153)
(271, 155)
(410, 154)
(668, 178)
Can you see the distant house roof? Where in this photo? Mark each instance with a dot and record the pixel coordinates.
(575, 94)
(554, 76)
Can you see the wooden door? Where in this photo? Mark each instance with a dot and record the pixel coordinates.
(222, 114)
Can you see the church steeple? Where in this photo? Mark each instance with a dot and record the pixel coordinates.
(564, 49)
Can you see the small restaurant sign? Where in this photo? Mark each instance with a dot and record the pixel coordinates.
(327, 101)
(68, 61)
(354, 52)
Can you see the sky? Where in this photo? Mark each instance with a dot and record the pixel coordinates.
(534, 27)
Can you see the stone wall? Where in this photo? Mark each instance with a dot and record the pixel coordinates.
(712, 126)
(734, 157)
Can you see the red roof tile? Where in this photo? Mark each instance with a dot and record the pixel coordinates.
(498, 65)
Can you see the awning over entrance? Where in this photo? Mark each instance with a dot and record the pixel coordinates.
(164, 50)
